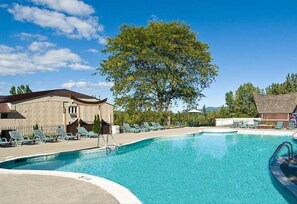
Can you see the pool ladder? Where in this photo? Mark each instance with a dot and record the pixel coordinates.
(108, 148)
(278, 149)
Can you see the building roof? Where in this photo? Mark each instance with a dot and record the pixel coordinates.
(283, 103)
(55, 92)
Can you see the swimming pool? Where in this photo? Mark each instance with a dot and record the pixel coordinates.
(205, 168)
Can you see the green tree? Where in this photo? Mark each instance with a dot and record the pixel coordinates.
(230, 102)
(245, 105)
(154, 66)
(204, 111)
(96, 124)
(12, 90)
(20, 89)
(289, 86)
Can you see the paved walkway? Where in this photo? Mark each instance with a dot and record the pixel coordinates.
(53, 189)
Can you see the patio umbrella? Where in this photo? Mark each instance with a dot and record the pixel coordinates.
(194, 111)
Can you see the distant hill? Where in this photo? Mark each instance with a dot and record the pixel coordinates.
(211, 109)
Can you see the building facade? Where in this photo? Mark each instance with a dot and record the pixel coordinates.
(273, 108)
(52, 108)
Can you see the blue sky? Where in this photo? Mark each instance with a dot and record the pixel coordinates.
(51, 44)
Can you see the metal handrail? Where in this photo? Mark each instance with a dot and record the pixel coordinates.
(294, 134)
(284, 144)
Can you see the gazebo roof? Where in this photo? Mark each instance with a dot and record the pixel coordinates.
(283, 103)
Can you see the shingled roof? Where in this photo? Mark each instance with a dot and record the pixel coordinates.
(283, 103)
(55, 92)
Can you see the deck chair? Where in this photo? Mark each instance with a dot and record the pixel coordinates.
(291, 125)
(142, 129)
(178, 124)
(65, 136)
(279, 125)
(81, 131)
(160, 127)
(254, 126)
(244, 124)
(149, 127)
(4, 142)
(17, 138)
(39, 135)
(235, 124)
(128, 128)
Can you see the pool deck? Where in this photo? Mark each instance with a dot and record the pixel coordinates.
(36, 188)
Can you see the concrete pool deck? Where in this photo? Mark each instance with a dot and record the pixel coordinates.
(28, 188)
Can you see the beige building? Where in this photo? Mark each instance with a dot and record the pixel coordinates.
(52, 108)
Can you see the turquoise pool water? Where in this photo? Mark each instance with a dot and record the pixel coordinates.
(207, 168)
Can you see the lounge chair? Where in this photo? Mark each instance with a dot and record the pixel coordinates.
(244, 124)
(279, 125)
(81, 131)
(4, 142)
(17, 138)
(291, 125)
(65, 136)
(128, 128)
(235, 124)
(255, 125)
(157, 125)
(39, 135)
(149, 127)
(142, 129)
(178, 125)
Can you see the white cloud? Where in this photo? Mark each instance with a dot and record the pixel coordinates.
(72, 7)
(93, 50)
(37, 59)
(40, 46)
(105, 84)
(77, 66)
(6, 49)
(79, 84)
(154, 17)
(87, 85)
(29, 36)
(70, 26)
(102, 40)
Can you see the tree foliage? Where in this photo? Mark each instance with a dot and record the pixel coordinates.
(289, 86)
(230, 102)
(154, 66)
(20, 89)
(96, 124)
(242, 104)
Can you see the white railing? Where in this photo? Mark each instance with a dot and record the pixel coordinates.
(230, 121)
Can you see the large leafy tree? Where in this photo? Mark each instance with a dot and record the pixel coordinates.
(230, 102)
(20, 89)
(154, 66)
(245, 105)
(289, 86)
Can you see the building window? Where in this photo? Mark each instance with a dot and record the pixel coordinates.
(72, 110)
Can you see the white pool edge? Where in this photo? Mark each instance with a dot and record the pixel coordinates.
(120, 193)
